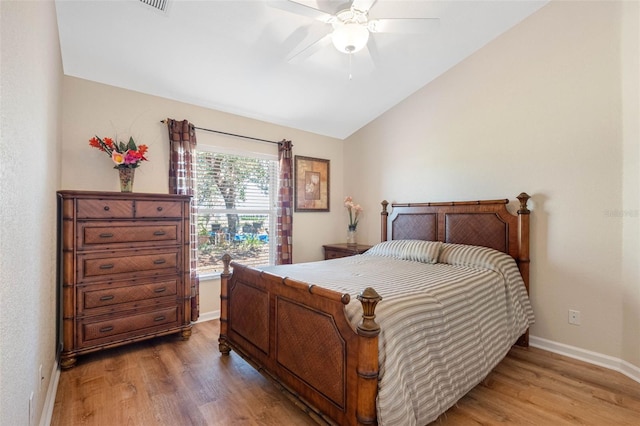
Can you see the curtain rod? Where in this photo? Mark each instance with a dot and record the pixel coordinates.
(230, 134)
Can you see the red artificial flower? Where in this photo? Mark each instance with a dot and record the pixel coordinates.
(109, 142)
(94, 142)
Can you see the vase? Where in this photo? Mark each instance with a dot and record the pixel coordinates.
(351, 236)
(126, 179)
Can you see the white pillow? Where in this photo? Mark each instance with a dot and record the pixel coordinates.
(416, 250)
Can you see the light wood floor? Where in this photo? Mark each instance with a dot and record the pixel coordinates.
(167, 381)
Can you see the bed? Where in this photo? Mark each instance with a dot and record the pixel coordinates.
(333, 336)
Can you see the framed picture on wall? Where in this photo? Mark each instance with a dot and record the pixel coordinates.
(311, 184)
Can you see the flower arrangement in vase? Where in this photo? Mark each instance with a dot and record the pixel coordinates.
(126, 156)
(354, 213)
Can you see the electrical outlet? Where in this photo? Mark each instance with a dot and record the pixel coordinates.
(574, 317)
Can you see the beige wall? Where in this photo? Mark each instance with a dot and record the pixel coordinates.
(631, 182)
(30, 86)
(96, 109)
(538, 110)
(550, 108)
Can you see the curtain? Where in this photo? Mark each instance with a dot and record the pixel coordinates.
(182, 180)
(284, 226)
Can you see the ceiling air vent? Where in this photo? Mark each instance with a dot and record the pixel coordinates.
(160, 5)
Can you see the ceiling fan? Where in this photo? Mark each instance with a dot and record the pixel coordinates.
(351, 28)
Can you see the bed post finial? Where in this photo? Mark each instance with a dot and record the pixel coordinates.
(523, 198)
(369, 299)
(383, 218)
(226, 260)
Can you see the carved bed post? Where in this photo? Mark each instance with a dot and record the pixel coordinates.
(523, 237)
(384, 215)
(368, 331)
(523, 250)
(224, 305)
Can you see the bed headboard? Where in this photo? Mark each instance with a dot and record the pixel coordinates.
(485, 223)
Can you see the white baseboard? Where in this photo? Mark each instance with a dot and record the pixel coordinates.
(606, 361)
(49, 402)
(208, 316)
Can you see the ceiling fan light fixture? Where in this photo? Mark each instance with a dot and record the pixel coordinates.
(350, 37)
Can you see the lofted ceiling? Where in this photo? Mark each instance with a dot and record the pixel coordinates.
(235, 56)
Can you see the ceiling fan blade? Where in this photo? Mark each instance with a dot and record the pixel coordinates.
(295, 39)
(310, 49)
(404, 25)
(372, 48)
(301, 9)
(363, 5)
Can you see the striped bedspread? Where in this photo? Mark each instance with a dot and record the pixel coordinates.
(444, 326)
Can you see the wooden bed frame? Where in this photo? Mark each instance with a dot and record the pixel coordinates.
(298, 335)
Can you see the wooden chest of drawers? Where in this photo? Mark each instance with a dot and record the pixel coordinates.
(124, 269)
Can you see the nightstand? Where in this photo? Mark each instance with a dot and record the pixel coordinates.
(334, 251)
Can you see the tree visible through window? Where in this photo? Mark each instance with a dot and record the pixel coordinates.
(236, 199)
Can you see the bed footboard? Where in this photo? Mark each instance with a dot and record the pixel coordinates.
(298, 334)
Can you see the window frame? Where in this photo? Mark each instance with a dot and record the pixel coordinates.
(273, 198)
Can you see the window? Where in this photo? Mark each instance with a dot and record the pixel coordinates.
(237, 199)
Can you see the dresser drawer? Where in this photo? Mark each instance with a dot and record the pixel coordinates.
(104, 209)
(158, 209)
(130, 234)
(128, 264)
(112, 296)
(117, 327)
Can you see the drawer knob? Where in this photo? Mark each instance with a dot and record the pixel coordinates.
(107, 297)
(160, 290)
(106, 266)
(106, 235)
(159, 209)
(159, 233)
(106, 208)
(106, 329)
(159, 261)
(160, 318)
